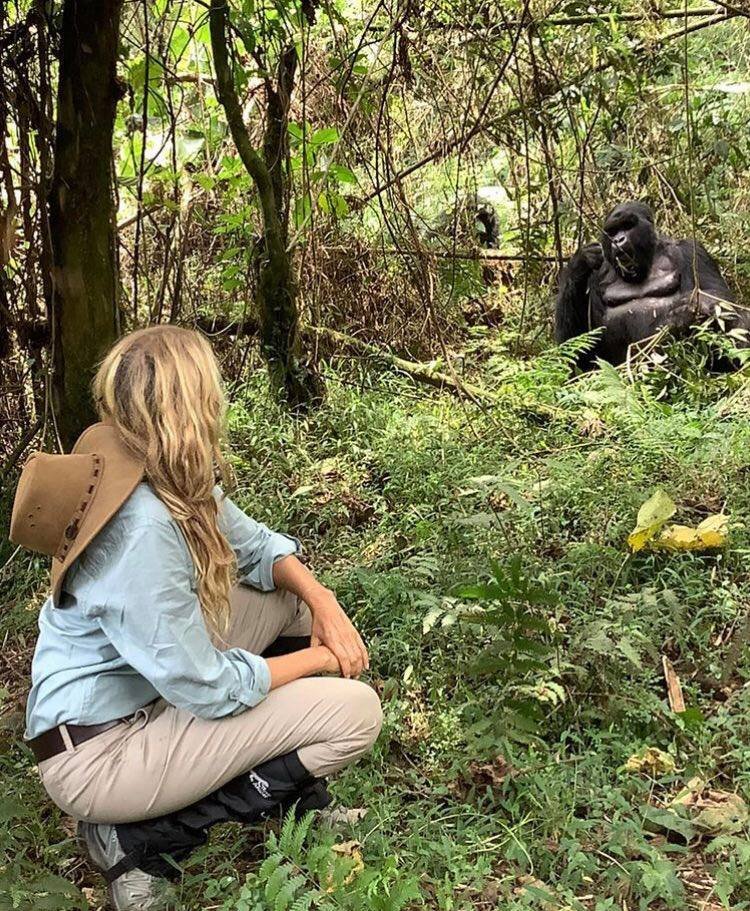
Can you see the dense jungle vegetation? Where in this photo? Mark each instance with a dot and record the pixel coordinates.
(301, 181)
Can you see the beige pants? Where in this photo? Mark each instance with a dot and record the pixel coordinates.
(165, 758)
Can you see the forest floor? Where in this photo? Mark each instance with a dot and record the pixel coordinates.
(529, 756)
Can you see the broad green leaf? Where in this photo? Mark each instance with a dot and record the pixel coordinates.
(669, 821)
(652, 516)
(342, 174)
(326, 136)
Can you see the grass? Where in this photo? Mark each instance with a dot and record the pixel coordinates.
(499, 779)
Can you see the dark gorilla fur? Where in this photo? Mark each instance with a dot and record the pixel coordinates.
(635, 282)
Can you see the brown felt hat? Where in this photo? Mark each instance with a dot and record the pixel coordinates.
(63, 501)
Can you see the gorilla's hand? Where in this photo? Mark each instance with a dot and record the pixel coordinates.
(588, 259)
(593, 256)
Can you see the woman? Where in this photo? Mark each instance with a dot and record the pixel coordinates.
(175, 682)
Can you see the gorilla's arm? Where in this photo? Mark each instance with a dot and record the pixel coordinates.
(572, 309)
(698, 263)
(715, 299)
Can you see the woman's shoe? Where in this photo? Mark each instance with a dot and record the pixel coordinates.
(132, 890)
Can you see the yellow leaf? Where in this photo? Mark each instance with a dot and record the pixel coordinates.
(654, 513)
(346, 848)
(651, 760)
(711, 533)
(351, 851)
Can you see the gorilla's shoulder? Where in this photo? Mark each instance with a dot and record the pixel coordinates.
(696, 258)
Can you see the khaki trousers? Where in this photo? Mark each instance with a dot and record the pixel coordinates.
(165, 758)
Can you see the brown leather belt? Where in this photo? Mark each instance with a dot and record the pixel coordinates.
(51, 742)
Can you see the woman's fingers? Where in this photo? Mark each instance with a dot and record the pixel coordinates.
(349, 657)
(364, 653)
(337, 632)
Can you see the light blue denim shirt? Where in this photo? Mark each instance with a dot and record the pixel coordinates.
(129, 626)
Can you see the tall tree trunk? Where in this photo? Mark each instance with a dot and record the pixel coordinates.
(277, 291)
(84, 303)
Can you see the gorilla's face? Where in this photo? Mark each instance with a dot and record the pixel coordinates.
(629, 240)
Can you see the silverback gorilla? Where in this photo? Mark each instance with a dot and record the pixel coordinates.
(635, 282)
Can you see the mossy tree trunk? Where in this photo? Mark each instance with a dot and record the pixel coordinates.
(84, 304)
(277, 291)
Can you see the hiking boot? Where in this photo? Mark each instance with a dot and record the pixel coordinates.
(132, 890)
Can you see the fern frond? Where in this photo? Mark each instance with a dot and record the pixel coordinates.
(298, 836)
(275, 882)
(286, 894)
(270, 865)
(304, 902)
(286, 835)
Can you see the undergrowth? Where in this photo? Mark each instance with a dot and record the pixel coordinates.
(516, 644)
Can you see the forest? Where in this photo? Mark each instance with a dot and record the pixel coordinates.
(367, 209)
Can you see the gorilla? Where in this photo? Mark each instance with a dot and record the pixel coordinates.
(487, 226)
(635, 282)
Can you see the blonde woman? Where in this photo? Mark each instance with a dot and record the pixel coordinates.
(177, 680)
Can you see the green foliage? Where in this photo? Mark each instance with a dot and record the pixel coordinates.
(296, 876)
(517, 654)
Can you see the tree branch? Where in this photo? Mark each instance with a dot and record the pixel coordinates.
(478, 127)
(227, 94)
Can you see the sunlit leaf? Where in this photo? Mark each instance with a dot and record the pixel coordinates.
(652, 516)
(711, 533)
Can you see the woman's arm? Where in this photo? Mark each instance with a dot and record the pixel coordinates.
(304, 663)
(331, 626)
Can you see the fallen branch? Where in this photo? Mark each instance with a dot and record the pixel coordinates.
(616, 16)
(674, 687)
(425, 373)
(428, 374)
(481, 254)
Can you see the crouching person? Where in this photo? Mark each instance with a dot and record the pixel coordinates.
(178, 680)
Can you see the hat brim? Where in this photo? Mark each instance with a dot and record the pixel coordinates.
(121, 474)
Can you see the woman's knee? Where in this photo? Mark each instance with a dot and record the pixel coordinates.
(366, 713)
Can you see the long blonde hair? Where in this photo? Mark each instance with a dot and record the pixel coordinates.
(161, 388)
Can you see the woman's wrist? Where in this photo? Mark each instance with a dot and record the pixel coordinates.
(323, 658)
(307, 662)
(316, 596)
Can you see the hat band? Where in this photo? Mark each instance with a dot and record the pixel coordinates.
(74, 525)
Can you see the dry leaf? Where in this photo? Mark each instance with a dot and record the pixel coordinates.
(721, 813)
(652, 516)
(713, 812)
(342, 816)
(491, 774)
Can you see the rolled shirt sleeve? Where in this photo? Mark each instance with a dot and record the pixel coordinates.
(153, 618)
(257, 547)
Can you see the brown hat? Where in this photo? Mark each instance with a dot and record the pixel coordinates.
(63, 501)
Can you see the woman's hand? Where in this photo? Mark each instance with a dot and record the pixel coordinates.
(331, 627)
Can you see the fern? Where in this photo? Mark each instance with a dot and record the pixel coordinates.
(296, 876)
(269, 865)
(294, 835)
(304, 902)
(276, 881)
